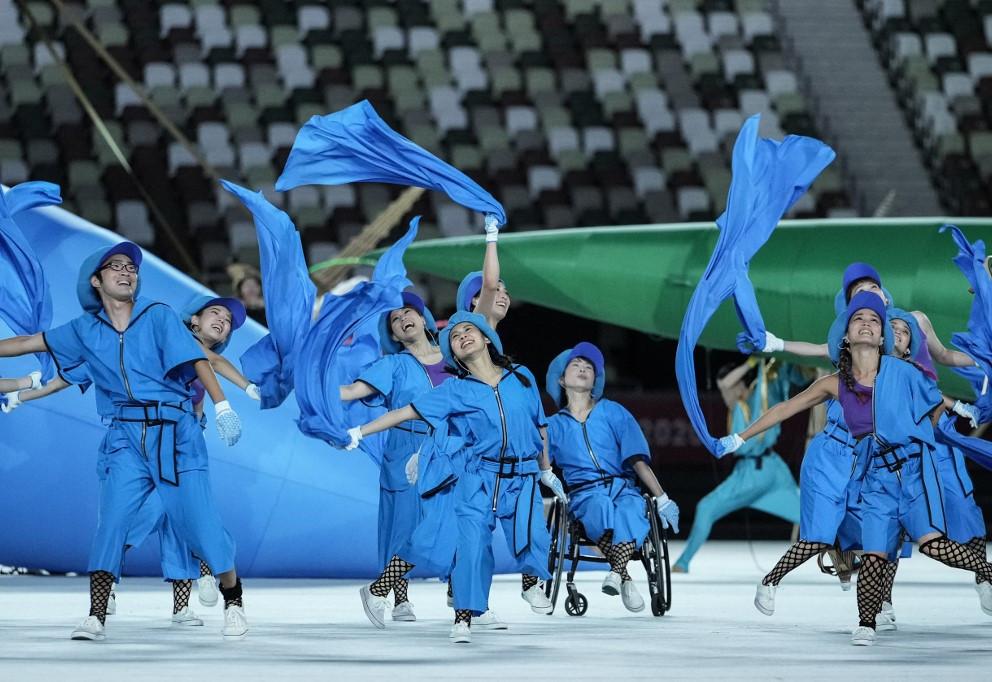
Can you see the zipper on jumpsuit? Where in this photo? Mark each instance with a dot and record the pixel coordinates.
(127, 387)
(502, 449)
(592, 455)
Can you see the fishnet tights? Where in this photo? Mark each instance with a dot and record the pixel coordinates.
(956, 555)
(101, 583)
(528, 581)
(871, 588)
(978, 544)
(795, 556)
(463, 616)
(181, 590)
(390, 576)
(890, 577)
(399, 591)
(619, 556)
(204, 570)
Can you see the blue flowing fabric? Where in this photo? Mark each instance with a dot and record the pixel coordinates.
(977, 341)
(289, 296)
(25, 300)
(768, 178)
(356, 145)
(346, 322)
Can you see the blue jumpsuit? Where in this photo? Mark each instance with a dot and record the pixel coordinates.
(596, 458)
(398, 378)
(760, 480)
(154, 442)
(824, 482)
(502, 442)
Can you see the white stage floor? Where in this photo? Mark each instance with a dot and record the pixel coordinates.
(316, 629)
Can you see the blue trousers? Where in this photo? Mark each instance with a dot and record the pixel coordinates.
(399, 514)
(178, 562)
(617, 506)
(823, 488)
(770, 488)
(964, 518)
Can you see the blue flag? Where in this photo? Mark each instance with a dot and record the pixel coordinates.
(345, 338)
(289, 298)
(25, 300)
(768, 178)
(356, 145)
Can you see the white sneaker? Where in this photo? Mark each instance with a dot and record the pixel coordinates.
(539, 602)
(489, 621)
(862, 636)
(206, 590)
(186, 617)
(90, 628)
(404, 612)
(889, 611)
(632, 599)
(764, 599)
(985, 597)
(235, 622)
(375, 607)
(461, 633)
(112, 603)
(611, 584)
(884, 622)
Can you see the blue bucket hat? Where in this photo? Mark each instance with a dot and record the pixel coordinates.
(88, 298)
(234, 306)
(859, 271)
(469, 288)
(410, 300)
(915, 333)
(863, 299)
(476, 320)
(556, 369)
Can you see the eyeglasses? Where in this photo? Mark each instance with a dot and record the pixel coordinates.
(119, 266)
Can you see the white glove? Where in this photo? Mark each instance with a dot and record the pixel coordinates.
(252, 391)
(967, 411)
(731, 443)
(228, 423)
(35, 380)
(411, 468)
(668, 511)
(773, 344)
(492, 228)
(355, 433)
(13, 401)
(551, 482)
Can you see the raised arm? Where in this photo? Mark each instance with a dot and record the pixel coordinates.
(732, 378)
(490, 283)
(356, 391)
(807, 350)
(22, 345)
(389, 420)
(818, 392)
(940, 353)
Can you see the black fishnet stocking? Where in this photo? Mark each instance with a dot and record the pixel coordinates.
(890, 577)
(619, 556)
(181, 590)
(101, 583)
(794, 557)
(528, 581)
(956, 555)
(399, 591)
(391, 574)
(463, 616)
(871, 586)
(978, 544)
(204, 570)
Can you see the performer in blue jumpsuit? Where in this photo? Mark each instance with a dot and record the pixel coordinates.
(601, 450)
(495, 405)
(890, 407)
(760, 479)
(142, 361)
(412, 365)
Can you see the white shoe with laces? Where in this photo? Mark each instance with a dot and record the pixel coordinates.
(186, 617)
(985, 597)
(764, 599)
(863, 636)
(404, 612)
(632, 599)
(91, 628)
(461, 633)
(611, 584)
(489, 621)
(375, 607)
(539, 602)
(885, 619)
(206, 590)
(235, 622)
(112, 603)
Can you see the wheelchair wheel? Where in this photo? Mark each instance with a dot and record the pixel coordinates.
(654, 556)
(576, 604)
(558, 530)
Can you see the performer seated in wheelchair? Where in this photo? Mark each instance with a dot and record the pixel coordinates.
(602, 452)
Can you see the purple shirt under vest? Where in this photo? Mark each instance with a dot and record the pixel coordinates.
(857, 408)
(437, 373)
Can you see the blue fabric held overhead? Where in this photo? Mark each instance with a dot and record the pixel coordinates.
(25, 300)
(344, 339)
(289, 295)
(356, 145)
(768, 178)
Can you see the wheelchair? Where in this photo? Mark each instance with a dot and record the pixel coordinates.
(568, 541)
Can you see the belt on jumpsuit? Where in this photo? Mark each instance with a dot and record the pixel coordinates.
(161, 416)
(892, 462)
(517, 469)
(605, 481)
(757, 458)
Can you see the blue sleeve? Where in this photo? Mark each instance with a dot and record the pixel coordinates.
(67, 349)
(553, 437)
(438, 404)
(380, 376)
(630, 436)
(176, 344)
(926, 394)
(539, 418)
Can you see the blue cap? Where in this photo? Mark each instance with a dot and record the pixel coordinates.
(410, 300)
(476, 320)
(237, 309)
(469, 288)
(859, 271)
(88, 298)
(556, 369)
(862, 299)
(915, 333)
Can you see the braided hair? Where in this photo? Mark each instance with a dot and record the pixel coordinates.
(845, 368)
